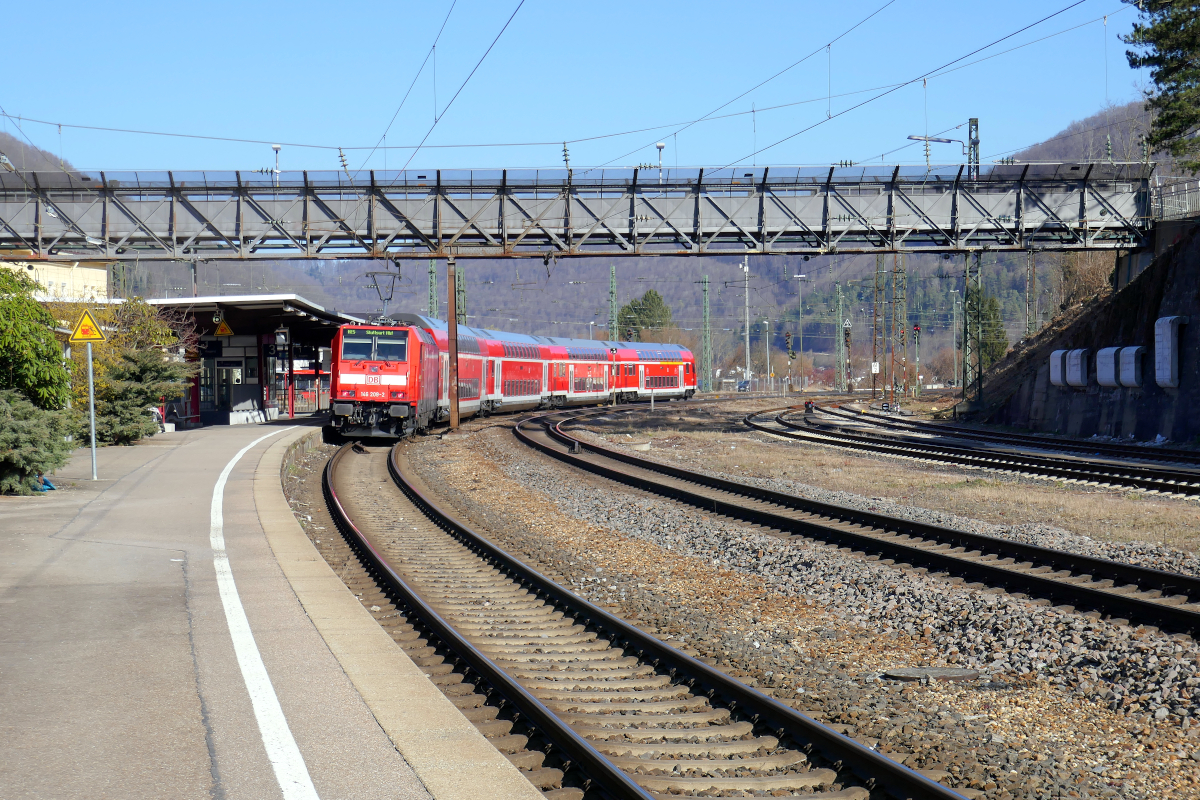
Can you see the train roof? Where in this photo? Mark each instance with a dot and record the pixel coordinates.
(648, 348)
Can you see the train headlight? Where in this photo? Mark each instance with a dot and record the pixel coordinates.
(347, 393)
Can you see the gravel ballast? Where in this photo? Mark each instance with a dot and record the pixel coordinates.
(818, 626)
(1143, 554)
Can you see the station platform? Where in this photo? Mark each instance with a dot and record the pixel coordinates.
(143, 657)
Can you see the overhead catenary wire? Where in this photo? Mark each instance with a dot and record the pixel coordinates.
(31, 144)
(759, 85)
(887, 92)
(464, 145)
(464, 84)
(989, 58)
(432, 51)
(19, 118)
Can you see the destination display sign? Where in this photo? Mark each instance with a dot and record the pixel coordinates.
(370, 332)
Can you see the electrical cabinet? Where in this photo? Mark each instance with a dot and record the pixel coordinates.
(1131, 366)
(1108, 367)
(1166, 351)
(1058, 368)
(1077, 367)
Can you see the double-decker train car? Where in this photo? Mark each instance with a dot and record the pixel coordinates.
(393, 379)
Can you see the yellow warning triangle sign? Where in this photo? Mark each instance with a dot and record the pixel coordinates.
(86, 330)
(223, 329)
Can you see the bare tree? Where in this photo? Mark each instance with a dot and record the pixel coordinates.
(29, 158)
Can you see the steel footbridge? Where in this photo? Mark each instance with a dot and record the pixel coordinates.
(205, 216)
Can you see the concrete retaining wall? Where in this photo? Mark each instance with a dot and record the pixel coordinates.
(1170, 286)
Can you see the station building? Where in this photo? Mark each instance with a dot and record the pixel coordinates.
(72, 282)
(262, 357)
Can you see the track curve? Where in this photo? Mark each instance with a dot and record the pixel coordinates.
(1139, 595)
(1052, 443)
(1155, 479)
(622, 714)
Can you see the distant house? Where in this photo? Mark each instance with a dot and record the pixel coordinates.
(72, 282)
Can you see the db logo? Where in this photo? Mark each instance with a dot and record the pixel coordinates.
(374, 379)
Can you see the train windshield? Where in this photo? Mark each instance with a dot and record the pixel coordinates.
(391, 349)
(357, 349)
(360, 345)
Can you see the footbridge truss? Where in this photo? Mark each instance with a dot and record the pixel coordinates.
(202, 216)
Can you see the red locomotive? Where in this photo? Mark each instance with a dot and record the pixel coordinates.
(393, 379)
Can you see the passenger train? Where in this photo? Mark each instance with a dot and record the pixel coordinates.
(393, 379)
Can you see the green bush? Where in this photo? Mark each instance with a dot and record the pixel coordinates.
(32, 440)
(31, 359)
(136, 380)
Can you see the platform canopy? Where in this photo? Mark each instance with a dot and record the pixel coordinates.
(243, 315)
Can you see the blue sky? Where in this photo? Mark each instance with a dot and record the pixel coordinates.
(334, 75)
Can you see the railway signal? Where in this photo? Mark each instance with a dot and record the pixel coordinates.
(917, 353)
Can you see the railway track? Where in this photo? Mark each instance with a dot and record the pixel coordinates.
(585, 703)
(1180, 481)
(1135, 594)
(1085, 448)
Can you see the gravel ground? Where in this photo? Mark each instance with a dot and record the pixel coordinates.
(1140, 553)
(713, 436)
(1068, 704)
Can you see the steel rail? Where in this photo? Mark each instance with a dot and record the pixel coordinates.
(940, 557)
(875, 769)
(1044, 442)
(1133, 476)
(1154, 580)
(602, 772)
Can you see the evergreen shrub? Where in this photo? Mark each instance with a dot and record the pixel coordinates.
(32, 440)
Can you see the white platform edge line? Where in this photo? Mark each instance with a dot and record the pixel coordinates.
(290, 770)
